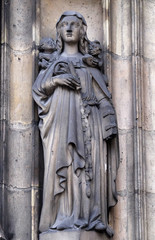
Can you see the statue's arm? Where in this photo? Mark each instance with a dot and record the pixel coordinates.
(107, 113)
(46, 83)
(108, 116)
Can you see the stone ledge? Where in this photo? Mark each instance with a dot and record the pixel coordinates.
(72, 235)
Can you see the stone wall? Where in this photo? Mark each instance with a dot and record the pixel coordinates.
(18, 184)
(127, 31)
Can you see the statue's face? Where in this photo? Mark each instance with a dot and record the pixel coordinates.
(70, 29)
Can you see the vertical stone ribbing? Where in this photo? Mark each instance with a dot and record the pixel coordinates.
(37, 163)
(137, 75)
(35, 150)
(106, 39)
(3, 112)
(149, 115)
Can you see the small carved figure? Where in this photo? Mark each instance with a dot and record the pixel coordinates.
(94, 56)
(47, 47)
(78, 130)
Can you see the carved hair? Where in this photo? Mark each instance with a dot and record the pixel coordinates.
(83, 42)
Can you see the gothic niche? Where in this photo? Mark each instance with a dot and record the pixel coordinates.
(78, 130)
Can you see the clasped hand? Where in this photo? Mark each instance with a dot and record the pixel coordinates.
(67, 80)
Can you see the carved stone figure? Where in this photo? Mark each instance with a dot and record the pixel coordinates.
(78, 130)
(2, 237)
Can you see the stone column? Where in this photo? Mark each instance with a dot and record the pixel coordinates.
(132, 83)
(3, 112)
(137, 69)
(19, 155)
(122, 92)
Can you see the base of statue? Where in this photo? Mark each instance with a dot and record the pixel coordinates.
(72, 235)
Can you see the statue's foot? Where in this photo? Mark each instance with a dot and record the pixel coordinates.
(81, 223)
(100, 227)
(109, 231)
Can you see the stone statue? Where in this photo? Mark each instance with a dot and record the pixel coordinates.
(78, 130)
(2, 237)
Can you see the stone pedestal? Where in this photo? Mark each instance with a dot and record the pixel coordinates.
(72, 235)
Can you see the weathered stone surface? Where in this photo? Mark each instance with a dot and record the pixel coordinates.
(125, 182)
(116, 25)
(123, 214)
(122, 91)
(19, 155)
(150, 215)
(35, 206)
(5, 76)
(20, 98)
(149, 161)
(17, 113)
(121, 27)
(2, 235)
(91, 10)
(148, 97)
(148, 176)
(17, 213)
(37, 163)
(20, 28)
(72, 235)
(149, 180)
(149, 28)
(124, 217)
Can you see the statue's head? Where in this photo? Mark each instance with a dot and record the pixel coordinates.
(71, 27)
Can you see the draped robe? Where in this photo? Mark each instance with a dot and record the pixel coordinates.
(80, 166)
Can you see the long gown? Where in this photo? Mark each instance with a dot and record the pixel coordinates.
(77, 170)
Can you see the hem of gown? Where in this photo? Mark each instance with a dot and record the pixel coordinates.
(98, 228)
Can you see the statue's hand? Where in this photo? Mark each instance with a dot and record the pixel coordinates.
(43, 64)
(66, 80)
(110, 127)
(109, 124)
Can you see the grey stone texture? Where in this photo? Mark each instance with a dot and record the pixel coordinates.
(127, 32)
(18, 213)
(17, 122)
(72, 235)
(92, 10)
(20, 27)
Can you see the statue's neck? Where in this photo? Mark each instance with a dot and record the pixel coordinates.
(70, 49)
